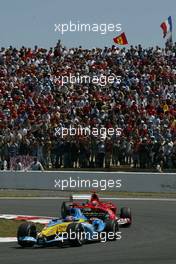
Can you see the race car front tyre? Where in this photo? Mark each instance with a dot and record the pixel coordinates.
(125, 212)
(112, 229)
(76, 234)
(26, 229)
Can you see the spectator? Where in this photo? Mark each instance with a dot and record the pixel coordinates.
(36, 165)
(18, 165)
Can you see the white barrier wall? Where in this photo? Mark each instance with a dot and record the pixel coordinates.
(81, 180)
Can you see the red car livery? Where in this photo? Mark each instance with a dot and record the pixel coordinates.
(94, 207)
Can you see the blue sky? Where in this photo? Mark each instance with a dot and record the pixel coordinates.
(31, 22)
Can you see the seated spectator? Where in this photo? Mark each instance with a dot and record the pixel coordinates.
(36, 165)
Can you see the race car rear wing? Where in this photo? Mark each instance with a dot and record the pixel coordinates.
(80, 197)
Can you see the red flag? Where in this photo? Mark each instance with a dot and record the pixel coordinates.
(121, 39)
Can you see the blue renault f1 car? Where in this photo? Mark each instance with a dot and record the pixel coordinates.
(74, 229)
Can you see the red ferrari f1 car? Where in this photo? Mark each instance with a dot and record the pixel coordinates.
(94, 207)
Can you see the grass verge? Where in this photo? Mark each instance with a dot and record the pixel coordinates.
(8, 228)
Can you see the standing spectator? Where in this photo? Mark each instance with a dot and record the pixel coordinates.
(115, 152)
(144, 154)
(100, 154)
(18, 165)
(108, 152)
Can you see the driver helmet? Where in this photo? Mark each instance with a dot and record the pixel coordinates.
(92, 219)
(94, 202)
(69, 218)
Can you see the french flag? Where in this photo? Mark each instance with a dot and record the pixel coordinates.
(167, 26)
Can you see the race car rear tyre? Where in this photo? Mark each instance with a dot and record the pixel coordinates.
(125, 212)
(26, 229)
(111, 229)
(65, 209)
(76, 234)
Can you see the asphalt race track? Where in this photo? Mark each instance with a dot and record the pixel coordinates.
(151, 239)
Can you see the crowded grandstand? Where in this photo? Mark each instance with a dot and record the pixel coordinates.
(34, 104)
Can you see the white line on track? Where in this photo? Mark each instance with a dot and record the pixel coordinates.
(8, 239)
